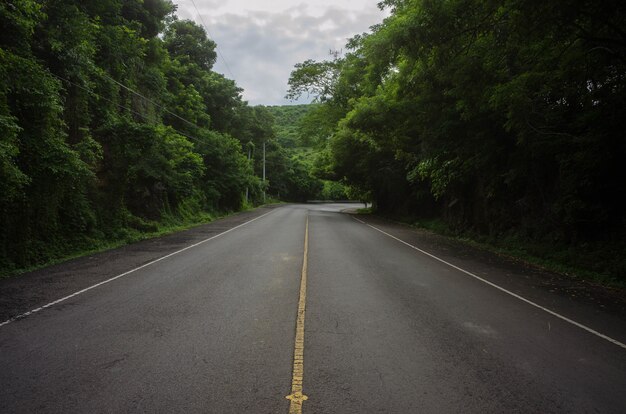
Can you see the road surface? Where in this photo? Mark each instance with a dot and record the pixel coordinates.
(209, 325)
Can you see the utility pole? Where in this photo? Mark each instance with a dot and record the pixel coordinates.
(249, 153)
(335, 53)
(264, 171)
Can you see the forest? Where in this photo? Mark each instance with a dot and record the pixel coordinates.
(502, 121)
(115, 126)
(294, 176)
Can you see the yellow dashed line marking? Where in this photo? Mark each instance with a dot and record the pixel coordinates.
(296, 397)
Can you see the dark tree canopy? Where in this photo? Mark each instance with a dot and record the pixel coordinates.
(503, 118)
(112, 121)
(187, 42)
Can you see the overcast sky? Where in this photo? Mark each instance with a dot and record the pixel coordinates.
(261, 41)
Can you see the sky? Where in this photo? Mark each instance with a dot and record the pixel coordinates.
(260, 41)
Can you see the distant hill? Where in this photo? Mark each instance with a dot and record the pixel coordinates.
(287, 120)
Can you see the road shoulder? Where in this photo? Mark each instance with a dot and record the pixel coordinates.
(30, 290)
(600, 307)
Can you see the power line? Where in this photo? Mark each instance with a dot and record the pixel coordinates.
(149, 100)
(197, 140)
(216, 48)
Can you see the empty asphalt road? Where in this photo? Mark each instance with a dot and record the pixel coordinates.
(223, 324)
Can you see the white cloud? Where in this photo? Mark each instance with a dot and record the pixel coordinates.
(261, 41)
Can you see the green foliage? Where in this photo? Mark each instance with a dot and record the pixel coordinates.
(12, 179)
(287, 124)
(227, 174)
(318, 125)
(187, 42)
(497, 117)
(113, 126)
(314, 78)
(147, 168)
(333, 190)
(293, 157)
(19, 19)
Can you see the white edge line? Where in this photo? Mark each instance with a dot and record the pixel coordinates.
(515, 295)
(23, 315)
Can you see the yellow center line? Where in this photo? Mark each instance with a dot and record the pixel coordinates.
(296, 397)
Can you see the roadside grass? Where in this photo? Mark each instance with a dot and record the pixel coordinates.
(140, 230)
(270, 201)
(590, 263)
(187, 216)
(597, 263)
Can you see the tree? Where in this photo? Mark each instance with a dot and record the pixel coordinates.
(498, 117)
(187, 42)
(112, 120)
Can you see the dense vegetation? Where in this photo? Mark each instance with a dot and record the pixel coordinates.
(113, 122)
(504, 119)
(297, 176)
(287, 124)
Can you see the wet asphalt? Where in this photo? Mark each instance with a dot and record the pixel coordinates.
(387, 329)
